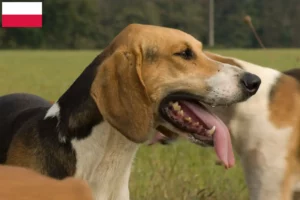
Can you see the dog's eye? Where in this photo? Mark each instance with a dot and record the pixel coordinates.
(186, 54)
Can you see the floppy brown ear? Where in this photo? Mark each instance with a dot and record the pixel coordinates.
(222, 59)
(120, 94)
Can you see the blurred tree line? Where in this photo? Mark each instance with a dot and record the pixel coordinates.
(87, 24)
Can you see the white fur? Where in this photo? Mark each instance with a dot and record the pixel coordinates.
(261, 146)
(53, 111)
(225, 85)
(104, 160)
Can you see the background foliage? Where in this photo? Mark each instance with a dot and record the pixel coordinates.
(89, 24)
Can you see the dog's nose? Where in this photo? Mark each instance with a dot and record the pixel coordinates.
(250, 82)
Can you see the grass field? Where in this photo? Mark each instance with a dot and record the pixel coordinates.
(180, 171)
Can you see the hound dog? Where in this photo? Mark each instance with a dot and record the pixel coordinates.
(265, 131)
(18, 183)
(149, 78)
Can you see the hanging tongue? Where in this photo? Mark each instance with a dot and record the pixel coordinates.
(222, 141)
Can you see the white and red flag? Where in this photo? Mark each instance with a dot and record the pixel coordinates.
(22, 14)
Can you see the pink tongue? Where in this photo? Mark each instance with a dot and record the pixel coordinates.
(222, 141)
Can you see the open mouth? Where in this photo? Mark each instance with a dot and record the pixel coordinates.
(192, 120)
(181, 116)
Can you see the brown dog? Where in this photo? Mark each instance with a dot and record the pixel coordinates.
(17, 183)
(149, 78)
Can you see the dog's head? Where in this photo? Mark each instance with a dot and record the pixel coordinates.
(157, 78)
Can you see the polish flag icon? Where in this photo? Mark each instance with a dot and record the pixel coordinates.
(22, 14)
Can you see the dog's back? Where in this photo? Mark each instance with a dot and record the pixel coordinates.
(11, 106)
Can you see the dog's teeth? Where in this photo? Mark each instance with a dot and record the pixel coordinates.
(211, 131)
(180, 113)
(176, 103)
(196, 124)
(188, 119)
(176, 106)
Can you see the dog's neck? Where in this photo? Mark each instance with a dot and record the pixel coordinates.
(103, 155)
(104, 159)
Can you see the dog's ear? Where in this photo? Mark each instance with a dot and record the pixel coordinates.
(121, 96)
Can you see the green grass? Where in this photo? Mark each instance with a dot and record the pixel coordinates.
(176, 172)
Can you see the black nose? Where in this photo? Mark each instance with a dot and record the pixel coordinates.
(250, 82)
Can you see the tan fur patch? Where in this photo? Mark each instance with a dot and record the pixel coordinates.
(284, 102)
(22, 183)
(20, 155)
(30, 154)
(125, 104)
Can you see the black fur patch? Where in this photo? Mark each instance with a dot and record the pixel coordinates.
(78, 111)
(295, 72)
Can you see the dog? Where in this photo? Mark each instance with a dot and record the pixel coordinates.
(18, 183)
(265, 131)
(148, 78)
